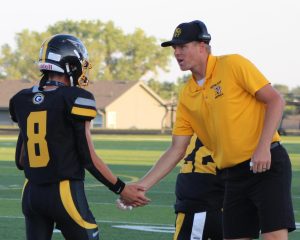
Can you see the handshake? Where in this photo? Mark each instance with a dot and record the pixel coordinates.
(133, 195)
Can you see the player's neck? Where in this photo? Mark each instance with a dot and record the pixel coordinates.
(52, 84)
(57, 81)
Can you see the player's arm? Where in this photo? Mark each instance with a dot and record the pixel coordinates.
(82, 108)
(19, 155)
(95, 165)
(274, 109)
(167, 161)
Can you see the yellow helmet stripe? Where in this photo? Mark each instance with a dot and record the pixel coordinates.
(45, 47)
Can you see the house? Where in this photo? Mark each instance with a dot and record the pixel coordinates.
(127, 105)
(7, 90)
(120, 104)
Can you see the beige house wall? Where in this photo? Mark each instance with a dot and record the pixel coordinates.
(135, 109)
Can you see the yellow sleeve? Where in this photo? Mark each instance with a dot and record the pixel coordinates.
(247, 74)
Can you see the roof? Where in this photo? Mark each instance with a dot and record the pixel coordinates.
(8, 88)
(105, 92)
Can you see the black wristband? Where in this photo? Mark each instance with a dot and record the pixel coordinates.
(118, 187)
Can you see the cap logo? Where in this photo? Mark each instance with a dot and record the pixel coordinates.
(177, 33)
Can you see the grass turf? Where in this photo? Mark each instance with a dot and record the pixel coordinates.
(129, 157)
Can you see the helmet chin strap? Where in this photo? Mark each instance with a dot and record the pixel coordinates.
(70, 76)
(54, 83)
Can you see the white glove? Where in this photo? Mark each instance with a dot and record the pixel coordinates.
(122, 206)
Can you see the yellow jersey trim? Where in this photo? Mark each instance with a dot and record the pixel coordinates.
(84, 112)
(196, 164)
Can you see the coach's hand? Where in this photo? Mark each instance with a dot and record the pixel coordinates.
(261, 160)
(134, 195)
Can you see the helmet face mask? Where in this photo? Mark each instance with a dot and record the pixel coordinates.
(66, 54)
(83, 78)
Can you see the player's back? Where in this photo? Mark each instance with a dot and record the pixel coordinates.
(47, 127)
(198, 188)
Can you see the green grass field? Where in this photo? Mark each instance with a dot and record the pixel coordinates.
(130, 157)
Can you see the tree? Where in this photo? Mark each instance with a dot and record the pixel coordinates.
(168, 90)
(296, 92)
(283, 89)
(21, 63)
(113, 54)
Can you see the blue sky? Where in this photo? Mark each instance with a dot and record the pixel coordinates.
(265, 31)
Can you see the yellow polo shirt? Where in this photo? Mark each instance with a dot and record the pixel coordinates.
(224, 112)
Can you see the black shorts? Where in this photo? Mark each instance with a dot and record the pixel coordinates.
(258, 202)
(62, 203)
(200, 225)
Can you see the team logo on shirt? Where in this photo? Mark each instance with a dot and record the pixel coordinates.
(38, 98)
(218, 89)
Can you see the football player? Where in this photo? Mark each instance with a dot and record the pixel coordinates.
(55, 146)
(199, 196)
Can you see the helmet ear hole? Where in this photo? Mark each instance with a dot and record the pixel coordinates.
(73, 68)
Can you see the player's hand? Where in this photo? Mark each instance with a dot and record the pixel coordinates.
(134, 195)
(261, 160)
(121, 205)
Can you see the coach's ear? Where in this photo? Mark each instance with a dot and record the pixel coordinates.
(19, 155)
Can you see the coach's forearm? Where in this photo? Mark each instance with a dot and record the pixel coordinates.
(274, 109)
(162, 167)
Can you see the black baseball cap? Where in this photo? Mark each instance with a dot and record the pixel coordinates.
(189, 32)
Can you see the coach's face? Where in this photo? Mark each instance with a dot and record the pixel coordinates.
(189, 55)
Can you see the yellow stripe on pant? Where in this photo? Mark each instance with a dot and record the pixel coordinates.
(25, 184)
(67, 200)
(179, 222)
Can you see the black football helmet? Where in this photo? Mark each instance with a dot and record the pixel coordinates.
(66, 54)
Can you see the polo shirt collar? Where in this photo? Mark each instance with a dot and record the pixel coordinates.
(211, 62)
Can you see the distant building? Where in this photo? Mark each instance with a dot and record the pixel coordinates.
(120, 104)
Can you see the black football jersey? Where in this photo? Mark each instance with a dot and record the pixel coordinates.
(198, 188)
(52, 127)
